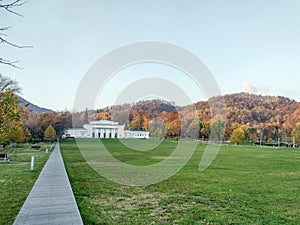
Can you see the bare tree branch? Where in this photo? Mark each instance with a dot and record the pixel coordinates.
(3, 40)
(9, 6)
(10, 63)
(8, 84)
(3, 29)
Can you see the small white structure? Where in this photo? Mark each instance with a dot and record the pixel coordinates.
(104, 129)
(136, 134)
(75, 133)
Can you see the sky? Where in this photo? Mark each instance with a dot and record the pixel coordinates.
(250, 46)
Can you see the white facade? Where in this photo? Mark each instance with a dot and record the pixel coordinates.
(136, 134)
(76, 133)
(104, 129)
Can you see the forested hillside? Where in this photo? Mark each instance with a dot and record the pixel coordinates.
(249, 117)
(265, 117)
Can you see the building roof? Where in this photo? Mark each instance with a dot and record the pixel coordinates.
(104, 122)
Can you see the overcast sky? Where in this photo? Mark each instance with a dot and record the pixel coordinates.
(247, 45)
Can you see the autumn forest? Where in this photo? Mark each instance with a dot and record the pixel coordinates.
(249, 118)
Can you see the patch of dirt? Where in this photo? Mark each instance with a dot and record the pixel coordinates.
(161, 207)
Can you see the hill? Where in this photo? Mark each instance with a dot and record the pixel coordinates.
(32, 107)
(245, 108)
(266, 118)
(241, 108)
(269, 117)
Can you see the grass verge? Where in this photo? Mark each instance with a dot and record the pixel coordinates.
(16, 179)
(244, 185)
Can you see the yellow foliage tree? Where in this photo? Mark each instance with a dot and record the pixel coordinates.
(16, 134)
(50, 133)
(10, 115)
(237, 136)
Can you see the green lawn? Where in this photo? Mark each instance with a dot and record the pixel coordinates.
(244, 185)
(16, 179)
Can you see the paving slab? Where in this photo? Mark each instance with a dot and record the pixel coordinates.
(51, 200)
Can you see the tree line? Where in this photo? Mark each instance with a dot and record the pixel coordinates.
(249, 118)
(17, 124)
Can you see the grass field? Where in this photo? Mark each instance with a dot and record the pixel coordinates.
(244, 185)
(16, 179)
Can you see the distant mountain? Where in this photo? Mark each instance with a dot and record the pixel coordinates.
(32, 107)
(241, 108)
(246, 108)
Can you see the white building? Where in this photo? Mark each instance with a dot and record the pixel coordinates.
(75, 133)
(136, 134)
(104, 129)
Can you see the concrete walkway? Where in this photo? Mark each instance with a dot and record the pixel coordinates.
(51, 201)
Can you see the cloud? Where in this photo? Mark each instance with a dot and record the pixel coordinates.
(247, 87)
